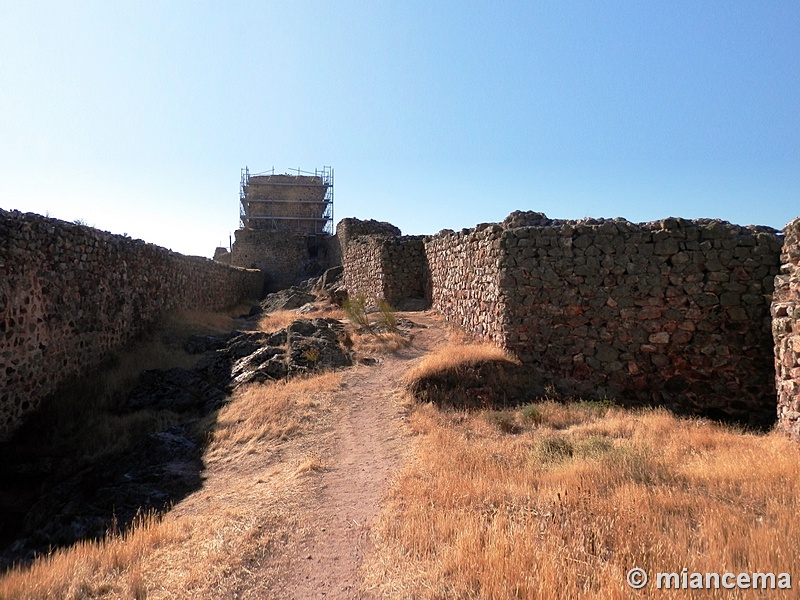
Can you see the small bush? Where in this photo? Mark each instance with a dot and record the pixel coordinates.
(555, 448)
(531, 412)
(356, 311)
(386, 316)
(505, 421)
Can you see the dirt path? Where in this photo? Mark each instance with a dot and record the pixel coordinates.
(366, 448)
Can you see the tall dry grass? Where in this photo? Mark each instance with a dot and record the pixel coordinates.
(452, 355)
(211, 542)
(560, 501)
(279, 319)
(111, 568)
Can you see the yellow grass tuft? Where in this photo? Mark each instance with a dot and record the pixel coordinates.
(366, 343)
(454, 355)
(560, 501)
(280, 319)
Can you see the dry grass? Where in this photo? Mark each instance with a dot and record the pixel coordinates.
(268, 412)
(560, 501)
(454, 355)
(367, 343)
(279, 319)
(110, 568)
(212, 542)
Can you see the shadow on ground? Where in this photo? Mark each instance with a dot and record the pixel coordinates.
(84, 467)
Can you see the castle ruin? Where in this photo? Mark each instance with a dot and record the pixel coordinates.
(286, 225)
(701, 316)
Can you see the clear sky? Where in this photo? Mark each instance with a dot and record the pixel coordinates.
(136, 117)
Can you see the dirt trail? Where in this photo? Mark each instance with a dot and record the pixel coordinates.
(366, 448)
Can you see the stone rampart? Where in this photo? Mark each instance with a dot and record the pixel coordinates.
(673, 313)
(70, 294)
(350, 228)
(387, 268)
(465, 279)
(786, 332)
(406, 265)
(363, 269)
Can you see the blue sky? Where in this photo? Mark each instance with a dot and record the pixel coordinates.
(137, 117)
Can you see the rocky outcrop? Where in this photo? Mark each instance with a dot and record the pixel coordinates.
(47, 501)
(288, 299)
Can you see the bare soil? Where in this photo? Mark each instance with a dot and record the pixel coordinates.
(297, 517)
(365, 449)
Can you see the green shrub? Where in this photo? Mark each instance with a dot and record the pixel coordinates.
(356, 310)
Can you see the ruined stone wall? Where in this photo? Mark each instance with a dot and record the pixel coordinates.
(786, 332)
(673, 313)
(363, 269)
(393, 269)
(351, 228)
(406, 267)
(70, 294)
(285, 257)
(465, 279)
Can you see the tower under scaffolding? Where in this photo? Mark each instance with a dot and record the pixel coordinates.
(301, 202)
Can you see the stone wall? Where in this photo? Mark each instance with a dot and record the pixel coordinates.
(674, 313)
(363, 268)
(285, 257)
(406, 266)
(786, 332)
(351, 228)
(388, 268)
(70, 294)
(465, 279)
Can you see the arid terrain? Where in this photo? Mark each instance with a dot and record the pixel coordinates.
(343, 485)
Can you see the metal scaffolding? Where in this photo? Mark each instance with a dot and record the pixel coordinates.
(289, 201)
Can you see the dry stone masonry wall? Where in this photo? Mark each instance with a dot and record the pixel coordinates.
(786, 332)
(350, 228)
(363, 269)
(406, 266)
(673, 313)
(465, 279)
(69, 294)
(387, 268)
